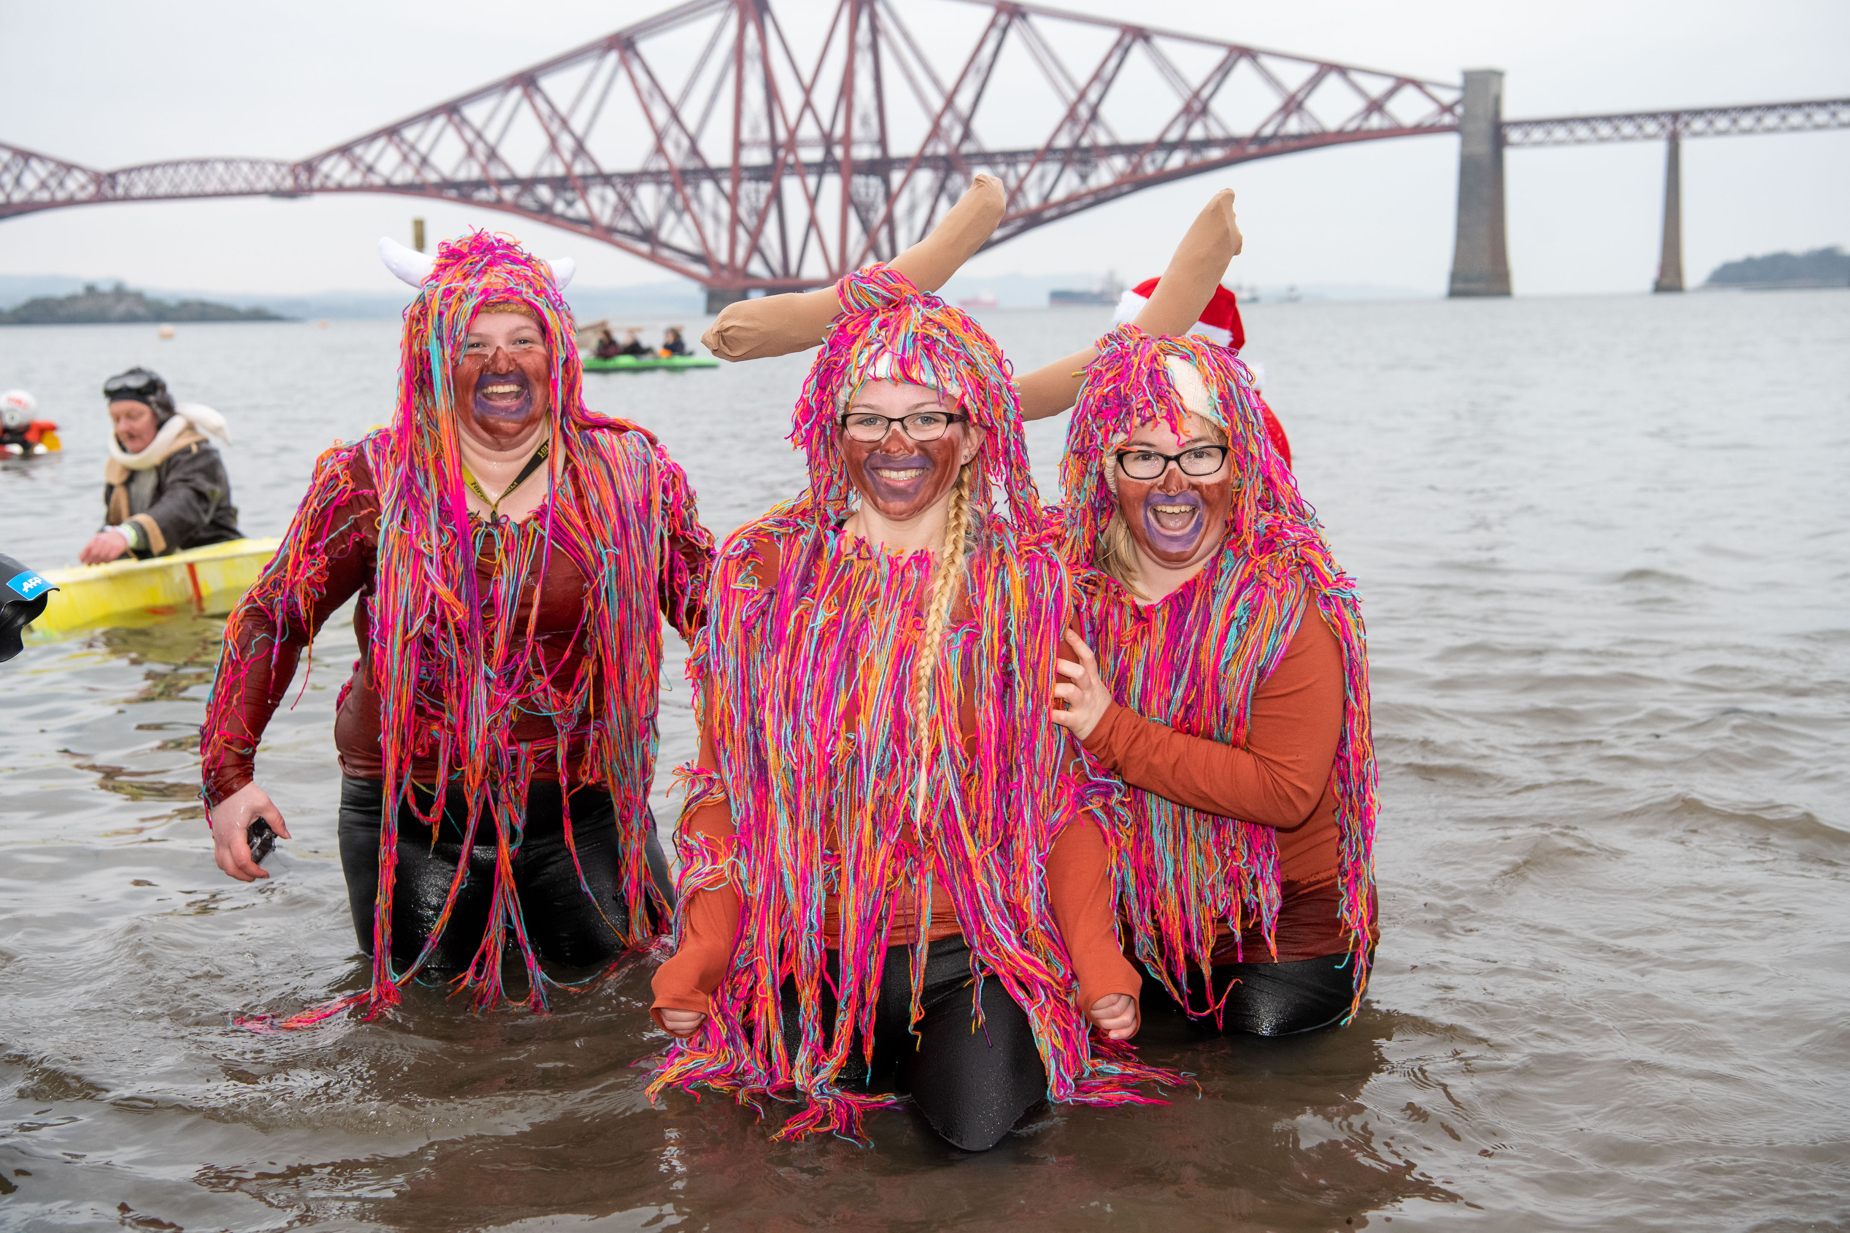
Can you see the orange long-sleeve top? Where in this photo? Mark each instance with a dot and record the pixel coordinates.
(1080, 889)
(1279, 776)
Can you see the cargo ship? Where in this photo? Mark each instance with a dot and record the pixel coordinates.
(1106, 292)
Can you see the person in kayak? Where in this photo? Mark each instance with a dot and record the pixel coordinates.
(22, 436)
(608, 348)
(632, 344)
(1229, 691)
(924, 897)
(165, 489)
(672, 342)
(515, 554)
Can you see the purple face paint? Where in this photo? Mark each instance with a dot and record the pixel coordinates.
(887, 485)
(1173, 522)
(503, 398)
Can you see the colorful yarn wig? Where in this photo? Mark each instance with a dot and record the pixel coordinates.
(455, 664)
(845, 779)
(1192, 660)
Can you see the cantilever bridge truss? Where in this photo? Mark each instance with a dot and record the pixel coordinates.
(748, 151)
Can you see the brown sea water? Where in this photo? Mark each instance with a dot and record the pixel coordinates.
(1605, 546)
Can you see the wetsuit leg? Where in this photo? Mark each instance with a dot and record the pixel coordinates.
(1270, 999)
(567, 927)
(972, 1082)
(421, 881)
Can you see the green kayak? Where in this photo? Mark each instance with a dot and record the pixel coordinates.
(636, 363)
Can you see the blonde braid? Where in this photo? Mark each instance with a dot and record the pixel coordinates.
(947, 571)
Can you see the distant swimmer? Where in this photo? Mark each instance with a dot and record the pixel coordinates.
(22, 436)
(672, 342)
(165, 485)
(516, 556)
(1224, 679)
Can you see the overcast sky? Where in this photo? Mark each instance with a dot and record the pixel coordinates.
(110, 83)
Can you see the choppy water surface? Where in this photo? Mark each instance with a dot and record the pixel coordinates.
(1605, 545)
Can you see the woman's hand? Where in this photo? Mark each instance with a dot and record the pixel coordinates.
(1114, 1015)
(1085, 694)
(103, 546)
(681, 1023)
(231, 824)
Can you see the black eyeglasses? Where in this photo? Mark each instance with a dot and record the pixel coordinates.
(1197, 460)
(135, 383)
(870, 429)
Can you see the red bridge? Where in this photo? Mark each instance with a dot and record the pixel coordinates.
(710, 141)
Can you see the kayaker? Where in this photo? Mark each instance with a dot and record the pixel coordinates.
(632, 344)
(21, 436)
(1229, 691)
(607, 345)
(515, 554)
(672, 343)
(924, 897)
(165, 488)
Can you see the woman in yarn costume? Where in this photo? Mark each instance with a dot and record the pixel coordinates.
(1229, 691)
(497, 738)
(891, 861)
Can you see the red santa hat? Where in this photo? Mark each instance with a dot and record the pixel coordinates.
(1220, 320)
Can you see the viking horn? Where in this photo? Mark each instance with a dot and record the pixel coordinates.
(562, 270)
(411, 266)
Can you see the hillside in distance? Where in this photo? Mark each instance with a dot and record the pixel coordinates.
(1821, 267)
(107, 306)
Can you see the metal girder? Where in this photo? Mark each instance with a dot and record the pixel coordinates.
(703, 139)
(1748, 118)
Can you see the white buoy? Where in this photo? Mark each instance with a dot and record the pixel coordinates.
(165, 331)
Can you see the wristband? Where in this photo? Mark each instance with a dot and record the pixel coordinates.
(130, 532)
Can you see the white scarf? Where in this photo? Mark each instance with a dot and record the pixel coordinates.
(186, 415)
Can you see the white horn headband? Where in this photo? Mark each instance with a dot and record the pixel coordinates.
(414, 267)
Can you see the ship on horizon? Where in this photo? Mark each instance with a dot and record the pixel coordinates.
(1105, 292)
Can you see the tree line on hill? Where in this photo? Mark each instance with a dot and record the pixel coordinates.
(1821, 267)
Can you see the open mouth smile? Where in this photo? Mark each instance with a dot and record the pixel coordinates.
(503, 395)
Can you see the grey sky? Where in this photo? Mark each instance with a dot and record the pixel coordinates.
(113, 82)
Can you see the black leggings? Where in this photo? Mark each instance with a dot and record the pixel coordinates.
(565, 927)
(972, 1086)
(1272, 999)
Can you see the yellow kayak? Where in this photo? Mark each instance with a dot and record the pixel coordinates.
(131, 592)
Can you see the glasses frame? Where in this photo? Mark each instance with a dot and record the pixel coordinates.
(1176, 459)
(950, 417)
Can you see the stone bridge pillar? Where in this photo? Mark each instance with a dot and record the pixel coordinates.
(1481, 261)
(1670, 266)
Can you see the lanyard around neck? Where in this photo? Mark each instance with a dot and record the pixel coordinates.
(494, 503)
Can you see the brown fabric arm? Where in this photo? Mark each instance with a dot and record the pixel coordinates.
(1084, 900)
(1200, 262)
(781, 324)
(1277, 777)
(279, 617)
(710, 918)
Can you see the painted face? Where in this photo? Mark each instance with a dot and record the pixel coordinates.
(134, 423)
(503, 379)
(1177, 520)
(900, 477)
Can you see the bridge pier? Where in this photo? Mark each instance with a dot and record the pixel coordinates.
(1670, 265)
(719, 297)
(1481, 261)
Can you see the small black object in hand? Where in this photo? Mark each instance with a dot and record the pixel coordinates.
(261, 839)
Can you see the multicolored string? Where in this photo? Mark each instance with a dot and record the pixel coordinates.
(455, 664)
(805, 670)
(1193, 660)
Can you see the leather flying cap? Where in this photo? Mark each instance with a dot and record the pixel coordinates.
(140, 385)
